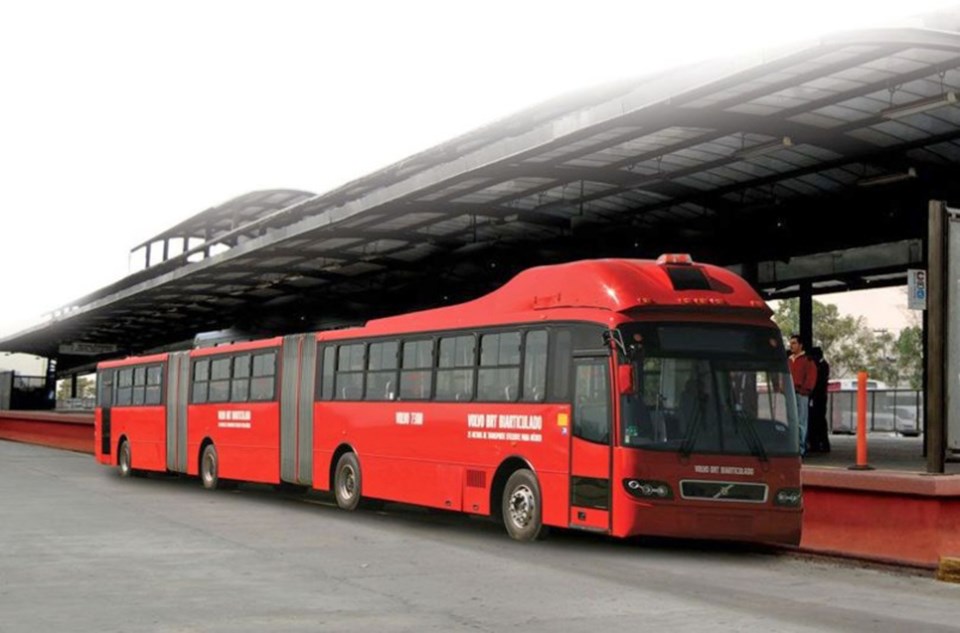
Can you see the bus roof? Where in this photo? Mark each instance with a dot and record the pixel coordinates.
(611, 285)
(133, 360)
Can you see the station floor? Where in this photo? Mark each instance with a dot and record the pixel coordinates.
(885, 451)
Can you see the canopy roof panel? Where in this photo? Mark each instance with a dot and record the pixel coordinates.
(836, 144)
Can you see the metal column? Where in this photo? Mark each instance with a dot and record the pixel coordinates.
(806, 315)
(936, 352)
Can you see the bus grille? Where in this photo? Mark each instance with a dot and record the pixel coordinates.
(723, 491)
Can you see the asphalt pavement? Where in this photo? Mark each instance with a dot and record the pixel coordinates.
(83, 550)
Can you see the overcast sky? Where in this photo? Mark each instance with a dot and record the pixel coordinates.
(119, 119)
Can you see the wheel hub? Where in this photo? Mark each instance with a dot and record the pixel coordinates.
(522, 506)
(208, 467)
(348, 483)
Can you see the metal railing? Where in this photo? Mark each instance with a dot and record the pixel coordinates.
(77, 404)
(890, 410)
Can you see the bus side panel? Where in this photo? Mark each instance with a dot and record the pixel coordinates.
(245, 434)
(145, 430)
(555, 490)
(435, 485)
(322, 462)
(431, 453)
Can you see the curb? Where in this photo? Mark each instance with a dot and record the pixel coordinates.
(949, 569)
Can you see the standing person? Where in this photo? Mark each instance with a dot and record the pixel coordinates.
(819, 434)
(804, 373)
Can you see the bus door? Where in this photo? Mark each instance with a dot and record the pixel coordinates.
(591, 444)
(178, 395)
(297, 376)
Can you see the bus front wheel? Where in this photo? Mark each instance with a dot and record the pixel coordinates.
(346, 485)
(521, 506)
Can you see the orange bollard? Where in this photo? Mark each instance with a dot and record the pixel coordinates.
(861, 423)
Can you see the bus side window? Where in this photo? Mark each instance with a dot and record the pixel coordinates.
(201, 381)
(139, 386)
(263, 383)
(105, 385)
(220, 379)
(558, 369)
(498, 379)
(417, 370)
(535, 366)
(455, 368)
(349, 374)
(382, 371)
(328, 360)
(240, 379)
(125, 387)
(154, 394)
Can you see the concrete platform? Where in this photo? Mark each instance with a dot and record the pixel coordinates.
(885, 451)
(896, 513)
(71, 431)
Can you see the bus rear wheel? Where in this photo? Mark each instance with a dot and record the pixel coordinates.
(521, 507)
(346, 482)
(124, 460)
(209, 474)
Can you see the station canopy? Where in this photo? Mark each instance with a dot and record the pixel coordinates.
(813, 164)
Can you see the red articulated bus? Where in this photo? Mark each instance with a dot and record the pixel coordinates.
(627, 397)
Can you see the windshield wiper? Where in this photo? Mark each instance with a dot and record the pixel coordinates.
(686, 448)
(749, 432)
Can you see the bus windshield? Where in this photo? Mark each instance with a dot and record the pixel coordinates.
(709, 389)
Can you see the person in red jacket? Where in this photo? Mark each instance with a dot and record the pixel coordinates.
(803, 369)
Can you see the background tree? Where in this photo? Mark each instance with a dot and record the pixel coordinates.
(844, 339)
(86, 388)
(880, 360)
(909, 349)
(850, 346)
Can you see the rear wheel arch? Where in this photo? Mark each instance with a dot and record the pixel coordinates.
(337, 454)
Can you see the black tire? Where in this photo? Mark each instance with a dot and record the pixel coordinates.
(347, 482)
(124, 459)
(521, 507)
(209, 468)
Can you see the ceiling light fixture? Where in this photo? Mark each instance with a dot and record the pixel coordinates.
(923, 105)
(764, 148)
(886, 179)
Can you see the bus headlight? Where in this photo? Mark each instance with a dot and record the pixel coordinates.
(646, 489)
(790, 497)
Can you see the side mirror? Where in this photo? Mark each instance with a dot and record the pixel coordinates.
(626, 380)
